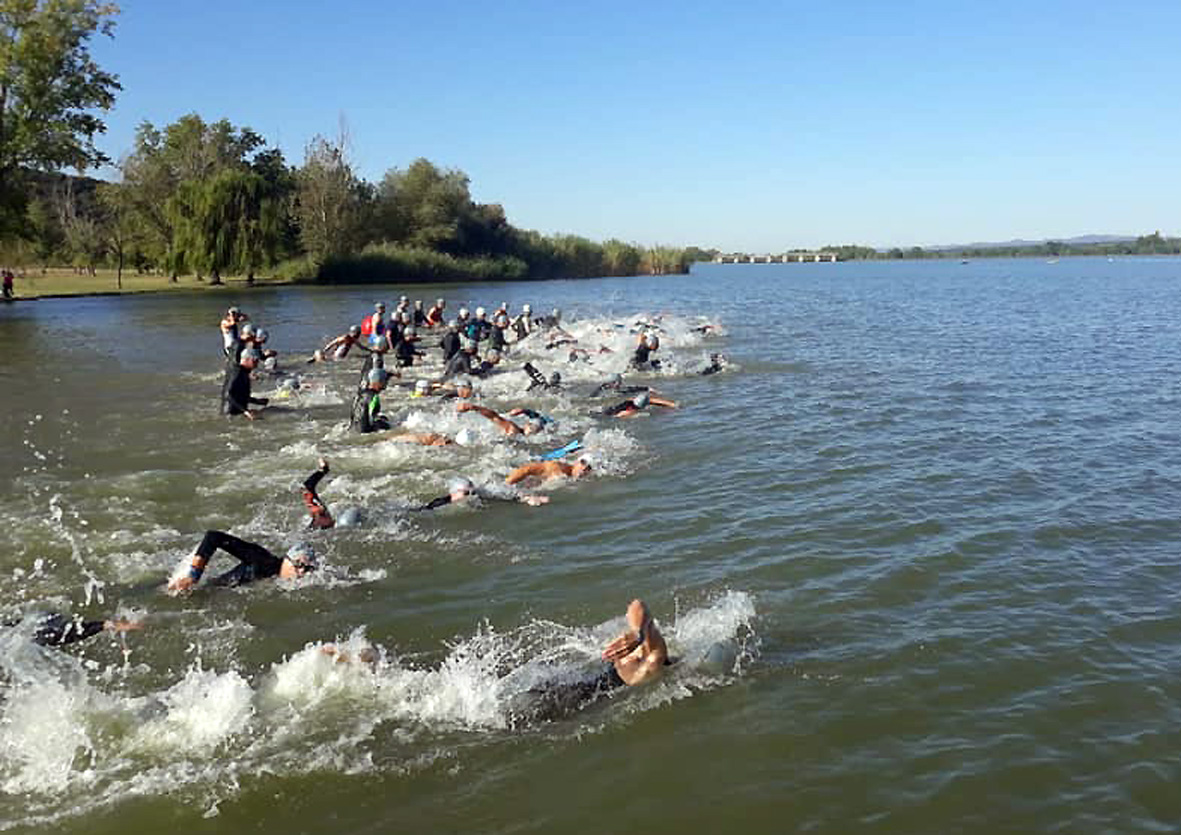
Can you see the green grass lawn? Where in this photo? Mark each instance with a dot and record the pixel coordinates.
(65, 282)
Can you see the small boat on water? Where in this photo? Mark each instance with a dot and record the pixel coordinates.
(1052, 261)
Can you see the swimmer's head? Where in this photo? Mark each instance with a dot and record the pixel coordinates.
(250, 358)
(534, 426)
(557, 314)
(641, 400)
(270, 363)
(481, 313)
(261, 335)
(555, 379)
(582, 466)
(464, 389)
(465, 437)
(318, 355)
(461, 488)
(653, 341)
(379, 307)
(616, 381)
(403, 300)
(354, 330)
(410, 333)
(422, 388)
(463, 314)
(440, 303)
(453, 325)
(303, 557)
(350, 517)
(525, 308)
(418, 305)
(493, 356)
(246, 331)
(233, 312)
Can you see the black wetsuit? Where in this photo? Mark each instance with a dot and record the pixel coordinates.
(405, 353)
(538, 379)
(460, 363)
(57, 630)
(450, 345)
(419, 318)
(254, 561)
(366, 416)
(620, 408)
(496, 338)
(641, 356)
(521, 327)
(235, 391)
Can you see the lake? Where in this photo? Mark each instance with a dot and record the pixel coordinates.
(929, 510)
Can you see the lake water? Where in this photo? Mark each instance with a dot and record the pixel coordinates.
(931, 510)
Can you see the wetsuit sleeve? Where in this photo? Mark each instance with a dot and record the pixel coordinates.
(58, 631)
(435, 504)
(262, 561)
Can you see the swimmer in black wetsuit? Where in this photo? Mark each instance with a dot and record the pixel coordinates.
(366, 414)
(236, 397)
(638, 656)
(637, 404)
(462, 489)
(56, 630)
(321, 518)
(254, 562)
(642, 359)
(717, 363)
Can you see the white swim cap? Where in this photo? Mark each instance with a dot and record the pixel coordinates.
(641, 400)
(481, 312)
(462, 485)
(465, 437)
(422, 387)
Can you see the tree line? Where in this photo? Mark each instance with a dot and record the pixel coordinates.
(212, 199)
(1152, 244)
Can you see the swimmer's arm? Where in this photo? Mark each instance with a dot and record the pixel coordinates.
(660, 401)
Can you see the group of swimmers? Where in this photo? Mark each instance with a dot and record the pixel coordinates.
(473, 345)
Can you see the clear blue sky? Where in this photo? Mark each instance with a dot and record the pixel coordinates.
(750, 125)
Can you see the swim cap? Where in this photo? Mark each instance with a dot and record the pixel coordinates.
(379, 306)
(463, 313)
(422, 387)
(246, 329)
(403, 299)
(418, 303)
(354, 330)
(465, 383)
(250, 355)
(410, 333)
(465, 437)
(555, 379)
(557, 313)
(585, 460)
(481, 313)
(640, 400)
(462, 485)
(453, 325)
(440, 303)
(616, 380)
(301, 555)
(233, 311)
(536, 425)
(270, 363)
(493, 355)
(653, 342)
(349, 518)
(261, 335)
(378, 375)
(527, 308)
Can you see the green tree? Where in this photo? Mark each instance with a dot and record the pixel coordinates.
(424, 206)
(50, 88)
(329, 201)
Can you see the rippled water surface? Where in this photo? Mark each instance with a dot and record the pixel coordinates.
(930, 510)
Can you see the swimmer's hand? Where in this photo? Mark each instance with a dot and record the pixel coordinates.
(181, 584)
(534, 501)
(465, 407)
(621, 647)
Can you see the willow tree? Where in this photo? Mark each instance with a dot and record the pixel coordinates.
(229, 222)
(50, 90)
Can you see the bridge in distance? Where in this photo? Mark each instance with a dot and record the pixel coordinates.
(782, 258)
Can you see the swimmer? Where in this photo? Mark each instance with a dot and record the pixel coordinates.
(254, 562)
(236, 397)
(538, 379)
(451, 343)
(434, 316)
(339, 347)
(321, 518)
(366, 414)
(546, 470)
(419, 315)
(717, 362)
(645, 346)
(230, 323)
(636, 657)
(462, 489)
(522, 324)
(631, 408)
(531, 427)
(53, 629)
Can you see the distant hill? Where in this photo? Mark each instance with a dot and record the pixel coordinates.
(1020, 243)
